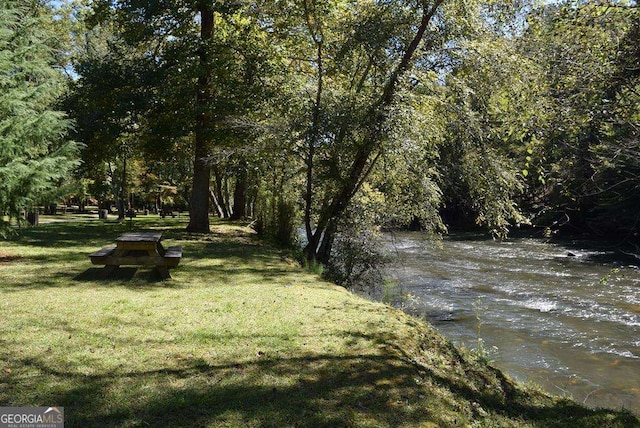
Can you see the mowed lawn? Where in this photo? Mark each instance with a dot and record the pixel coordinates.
(241, 336)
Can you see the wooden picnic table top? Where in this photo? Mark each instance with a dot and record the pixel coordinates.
(140, 237)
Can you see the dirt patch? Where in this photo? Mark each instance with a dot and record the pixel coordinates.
(233, 231)
(8, 258)
(222, 233)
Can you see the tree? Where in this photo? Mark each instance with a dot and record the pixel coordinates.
(202, 75)
(489, 108)
(35, 156)
(108, 101)
(357, 56)
(199, 202)
(361, 70)
(587, 146)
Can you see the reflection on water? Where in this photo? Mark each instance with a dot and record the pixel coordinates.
(560, 316)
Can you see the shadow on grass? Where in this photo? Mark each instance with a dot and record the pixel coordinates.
(101, 274)
(308, 391)
(65, 235)
(138, 278)
(92, 233)
(68, 243)
(326, 392)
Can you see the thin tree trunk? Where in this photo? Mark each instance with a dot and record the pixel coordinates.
(312, 141)
(123, 190)
(227, 196)
(214, 201)
(362, 163)
(199, 203)
(332, 212)
(219, 193)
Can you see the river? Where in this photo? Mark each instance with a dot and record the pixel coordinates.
(561, 316)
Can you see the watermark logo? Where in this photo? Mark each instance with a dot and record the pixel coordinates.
(31, 417)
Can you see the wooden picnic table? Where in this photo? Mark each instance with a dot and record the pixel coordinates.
(138, 249)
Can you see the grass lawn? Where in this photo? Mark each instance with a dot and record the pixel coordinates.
(241, 336)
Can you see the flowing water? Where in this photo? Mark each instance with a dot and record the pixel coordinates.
(558, 315)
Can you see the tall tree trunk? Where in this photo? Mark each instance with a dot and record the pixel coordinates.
(312, 140)
(316, 34)
(327, 222)
(123, 190)
(240, 193)
(199, 203)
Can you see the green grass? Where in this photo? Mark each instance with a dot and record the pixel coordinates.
(241, 336)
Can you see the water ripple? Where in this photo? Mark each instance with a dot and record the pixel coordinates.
(557, 316)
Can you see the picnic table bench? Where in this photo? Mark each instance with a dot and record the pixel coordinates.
(138, 249)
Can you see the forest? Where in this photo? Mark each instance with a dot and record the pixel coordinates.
(325, 122)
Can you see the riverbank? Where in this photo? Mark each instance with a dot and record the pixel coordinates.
(240, 337)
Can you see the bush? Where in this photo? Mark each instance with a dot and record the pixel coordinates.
(277, 221)
(356, 261)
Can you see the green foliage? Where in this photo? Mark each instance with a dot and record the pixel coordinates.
(375, 128)
(314, 267)
(356, 260)
(352, 57)
(277, 217)
(337, 105)
(409, 168)
(286, 233)
(276, 185)
(35, 157)
(587, 141)
(156, 85)
(486, 110)
(392, 293)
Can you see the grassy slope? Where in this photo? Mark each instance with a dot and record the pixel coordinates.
(240, 337)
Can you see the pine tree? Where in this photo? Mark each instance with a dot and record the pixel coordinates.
(34, 154)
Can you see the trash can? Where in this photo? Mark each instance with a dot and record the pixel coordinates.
(103, 214)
